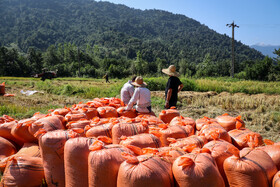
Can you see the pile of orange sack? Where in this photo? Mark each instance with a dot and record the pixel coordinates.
(98, 143)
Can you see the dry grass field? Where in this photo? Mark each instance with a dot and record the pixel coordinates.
(260, 112)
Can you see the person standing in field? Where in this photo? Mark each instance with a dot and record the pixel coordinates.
(127, 90)
(173, 86)
(106, 76)
(141, 96)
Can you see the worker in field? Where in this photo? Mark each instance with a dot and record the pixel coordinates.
(141, 96)
(173, 86)
(127, 90)
(106, 77)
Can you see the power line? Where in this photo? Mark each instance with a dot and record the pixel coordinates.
(232, 47)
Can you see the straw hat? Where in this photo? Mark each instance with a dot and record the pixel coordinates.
(171, 70)
(139, 82)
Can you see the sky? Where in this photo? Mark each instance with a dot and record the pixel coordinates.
(258, 20)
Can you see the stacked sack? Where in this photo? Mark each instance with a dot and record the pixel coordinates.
(98, 143)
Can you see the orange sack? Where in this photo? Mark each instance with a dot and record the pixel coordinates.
(203, 121)
(6, 132)
(182, 121)
(101, 130)
(175, 132)
(6, 148)
(23, 171)
(229, 122)
(245, 138)
(145, 170)
(52, 151)
(142, 140)
(197, 170)
(104, 163)
(274, 152)
(167, 115)
(76, 153)
(49, 123)
(214, 131)
(220, 150)
(127, 113)
(82, 123)
(171, 153)
(28, 149)
(152, 120)
(198, 141)
(276, 180)
(107, 112)
(127, 129)
(21, 132)
(2, 88)
(251, 167)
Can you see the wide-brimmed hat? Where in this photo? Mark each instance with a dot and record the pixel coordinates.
(139, 82)
(171, 70)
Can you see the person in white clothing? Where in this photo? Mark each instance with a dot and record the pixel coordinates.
(141, 96)
(127, 90)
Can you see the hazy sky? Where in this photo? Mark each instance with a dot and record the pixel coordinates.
(258, 20)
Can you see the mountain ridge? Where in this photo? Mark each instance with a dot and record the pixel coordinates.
(116, 29)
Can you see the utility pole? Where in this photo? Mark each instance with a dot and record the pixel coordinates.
(232, 48)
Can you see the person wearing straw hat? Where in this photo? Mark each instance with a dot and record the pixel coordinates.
(173, 86)
(141, 96)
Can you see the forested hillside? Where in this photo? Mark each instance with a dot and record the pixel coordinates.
(88, 39)
(116, 29)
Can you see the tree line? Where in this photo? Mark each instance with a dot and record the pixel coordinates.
(71, 61)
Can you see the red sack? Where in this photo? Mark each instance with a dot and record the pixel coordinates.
(197, 170)
(145, 170)
(104, 163)
(251, 167)
(23, 171)
(167, 115)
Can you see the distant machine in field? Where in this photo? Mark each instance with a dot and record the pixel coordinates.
(46, 75)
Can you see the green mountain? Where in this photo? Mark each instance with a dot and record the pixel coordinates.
(117, 30)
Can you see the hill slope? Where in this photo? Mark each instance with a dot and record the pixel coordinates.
(116, 29)
(266, 49)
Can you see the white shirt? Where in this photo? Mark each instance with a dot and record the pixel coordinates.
(127, 92)
(142, 98)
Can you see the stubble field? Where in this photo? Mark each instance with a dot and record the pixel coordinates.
(261, 112)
